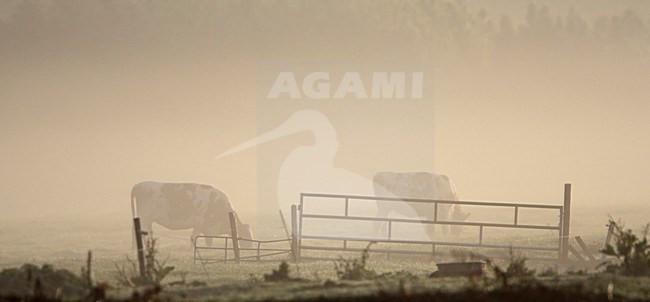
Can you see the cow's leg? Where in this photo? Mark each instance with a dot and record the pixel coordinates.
(378, 226)
(195, 232)
(148, 228)
(457, 214)
(443, 215)
(198, 231)
(430, 229)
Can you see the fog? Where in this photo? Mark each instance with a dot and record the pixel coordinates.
(97, 96)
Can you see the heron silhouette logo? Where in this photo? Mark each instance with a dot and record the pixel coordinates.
(309, 168)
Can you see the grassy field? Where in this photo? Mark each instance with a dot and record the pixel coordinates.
(64, 242)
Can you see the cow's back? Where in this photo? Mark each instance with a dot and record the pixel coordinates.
(421, 185)
(405, 185)
(179, 205)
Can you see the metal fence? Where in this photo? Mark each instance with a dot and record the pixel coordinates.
(257, 253)
(562, 226)
(231, 243)
(300, 240)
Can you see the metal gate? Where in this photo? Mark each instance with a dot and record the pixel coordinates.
(305, 218)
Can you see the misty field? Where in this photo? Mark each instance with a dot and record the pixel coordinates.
(509, 99)
(64, 244)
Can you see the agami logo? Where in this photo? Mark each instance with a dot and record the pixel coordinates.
(375, 85)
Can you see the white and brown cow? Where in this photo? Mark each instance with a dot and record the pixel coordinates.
(421, 185)
(179, 206)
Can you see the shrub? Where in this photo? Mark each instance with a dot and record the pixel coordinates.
(154, 270)
(280, 274)
(355, 269)
(94, 291)
(31, 281)
(631, 250)
(549, 272)
(515, 275)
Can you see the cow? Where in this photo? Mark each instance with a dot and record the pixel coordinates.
(421, 185)
(179, 206)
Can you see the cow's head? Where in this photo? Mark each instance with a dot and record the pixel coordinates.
(245, 231)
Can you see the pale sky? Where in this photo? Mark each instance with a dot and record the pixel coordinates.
(89, 108)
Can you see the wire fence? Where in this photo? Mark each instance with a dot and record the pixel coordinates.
(261, 250)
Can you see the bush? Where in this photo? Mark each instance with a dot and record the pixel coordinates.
(94, 291)
(154, 270)
(515, 275)
(355, 269)
(631, 250)
(31, 281)
(549, 272)
(280, 274)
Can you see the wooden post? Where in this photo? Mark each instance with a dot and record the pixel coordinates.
(234, 235)
(138, 242)
(295, 251)
(584, 248)
(566, 222)
(610, 232)
(575, 253)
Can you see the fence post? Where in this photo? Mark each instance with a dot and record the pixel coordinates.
(233, 233)
(585, 249)
(295, 252)
(138, 241)
(610, 232)
(566, 222)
